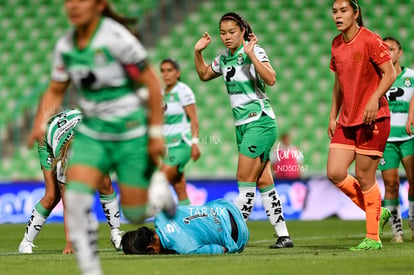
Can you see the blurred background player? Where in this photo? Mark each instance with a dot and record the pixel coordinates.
(246, 71)
(53, 153)
(215, 228)
(363, 71)
(400, 145)
(106, 63)
(180, 127)
(286, 159)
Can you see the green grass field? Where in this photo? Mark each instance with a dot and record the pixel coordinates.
(321, 247)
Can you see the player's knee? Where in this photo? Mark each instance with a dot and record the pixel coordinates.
(49, 201)
(134, 214)
(335, 176)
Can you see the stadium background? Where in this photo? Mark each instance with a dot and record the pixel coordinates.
(296, 34)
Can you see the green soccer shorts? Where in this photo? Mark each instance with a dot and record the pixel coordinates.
(178, 156)
(256, 139)
(129, 159)
(394, 152)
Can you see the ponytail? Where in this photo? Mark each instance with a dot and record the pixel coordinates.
(125, 21)
(243, 24)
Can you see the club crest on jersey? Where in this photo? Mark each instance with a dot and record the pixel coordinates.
(240, 59)
(407, 82)
(100, 58)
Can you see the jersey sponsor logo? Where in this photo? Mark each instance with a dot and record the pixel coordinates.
(231, 72)
(88, 80)
(169, 228)
(394, 92)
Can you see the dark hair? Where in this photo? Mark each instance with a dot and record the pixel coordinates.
(240, 21)
(137, 241)
(125, 21)
(172, 61)
(356, 7)
(393, 39)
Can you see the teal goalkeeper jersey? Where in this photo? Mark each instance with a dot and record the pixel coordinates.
(399, 97)
(202, 229)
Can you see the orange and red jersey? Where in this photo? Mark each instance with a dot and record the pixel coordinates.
(356, 63)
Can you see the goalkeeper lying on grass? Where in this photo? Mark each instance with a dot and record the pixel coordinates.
(215, 228)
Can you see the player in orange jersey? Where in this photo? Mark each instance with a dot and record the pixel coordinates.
(363, 71)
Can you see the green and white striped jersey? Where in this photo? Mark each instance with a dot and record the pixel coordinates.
(177, 126)
(245, 87)
(60, 130)
(112, 110)
(399, 96)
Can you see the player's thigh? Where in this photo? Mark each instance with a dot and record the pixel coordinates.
(87, 151)
(391, 157)
(89, 161)
(338, 163)
(249, 169)
(258, 138)
(132, 163)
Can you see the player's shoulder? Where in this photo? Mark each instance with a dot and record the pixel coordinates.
(337, 40)
(409, 72)
(182, 87)
(369, 35)
(113, 30)
(65, 42)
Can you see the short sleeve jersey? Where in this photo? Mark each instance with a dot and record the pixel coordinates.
(176, 123)
(244, 86)
(399, 97)
(59, 131)
(197, 229)
(109, 103)
(356, 64)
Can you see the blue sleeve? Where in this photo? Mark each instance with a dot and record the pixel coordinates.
(209, 249)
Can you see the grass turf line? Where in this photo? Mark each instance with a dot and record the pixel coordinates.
(321, 247)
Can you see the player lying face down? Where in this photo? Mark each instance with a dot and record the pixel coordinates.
(215, 228)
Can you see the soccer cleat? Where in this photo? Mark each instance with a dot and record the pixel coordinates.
(397, 238)
(367, 244)
(282, 242)
(160, 195)
(25, 247)
(384, 217)
(116, 239)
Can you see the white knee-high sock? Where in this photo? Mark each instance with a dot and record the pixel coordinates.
(83, 226)
(395, 219)
(36, 222)
(110, 207)
(246, 199)
(274, 210)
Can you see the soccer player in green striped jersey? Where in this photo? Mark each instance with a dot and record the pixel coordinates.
(53, 153)
(180, 127)
(246, 71)
(400, 145)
